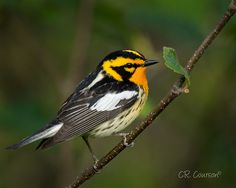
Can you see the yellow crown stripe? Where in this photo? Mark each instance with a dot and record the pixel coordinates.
(121, 61)
(134, 52)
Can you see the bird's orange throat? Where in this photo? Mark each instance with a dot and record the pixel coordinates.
(139, 78)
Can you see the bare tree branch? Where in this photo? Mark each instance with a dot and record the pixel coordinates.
(175, 91)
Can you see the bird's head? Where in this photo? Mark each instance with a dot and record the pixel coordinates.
(127, 65)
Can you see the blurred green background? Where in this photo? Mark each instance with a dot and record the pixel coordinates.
(47, 47)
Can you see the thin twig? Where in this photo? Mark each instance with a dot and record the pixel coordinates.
(174, 92)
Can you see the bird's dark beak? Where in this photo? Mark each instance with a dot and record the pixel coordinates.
(150, 62)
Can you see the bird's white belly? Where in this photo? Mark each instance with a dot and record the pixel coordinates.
(120, 122)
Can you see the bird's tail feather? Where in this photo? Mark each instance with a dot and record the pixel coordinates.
(46, 132)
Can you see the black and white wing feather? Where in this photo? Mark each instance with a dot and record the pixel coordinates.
(84, 111)
(97, 99)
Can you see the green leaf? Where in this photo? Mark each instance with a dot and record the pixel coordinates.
(171, 61)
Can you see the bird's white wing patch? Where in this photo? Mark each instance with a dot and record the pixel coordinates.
(110, 101)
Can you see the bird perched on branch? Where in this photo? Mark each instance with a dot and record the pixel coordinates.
(103, 104)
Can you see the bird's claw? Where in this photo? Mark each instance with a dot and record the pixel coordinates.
(124, 135)
(97, 171)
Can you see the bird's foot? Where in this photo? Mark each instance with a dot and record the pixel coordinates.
(124, 135)
(95, 163)
(97, 171)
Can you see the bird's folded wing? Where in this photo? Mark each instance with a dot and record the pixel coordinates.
(82, 115)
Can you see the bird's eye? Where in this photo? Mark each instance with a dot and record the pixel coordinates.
(129, 65)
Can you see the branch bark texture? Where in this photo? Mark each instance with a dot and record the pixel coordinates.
(175, 91)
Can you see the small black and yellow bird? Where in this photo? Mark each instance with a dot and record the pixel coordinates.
(103, 104)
